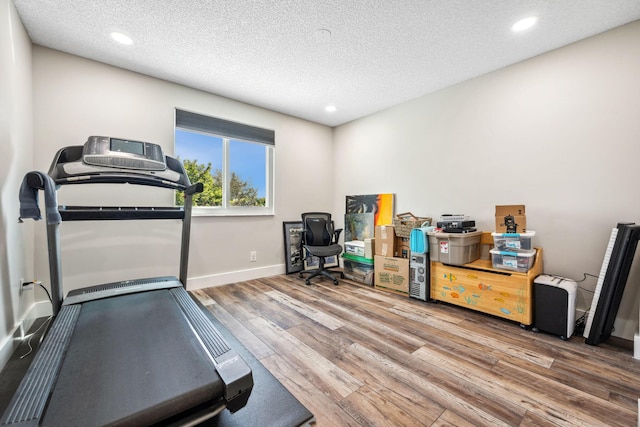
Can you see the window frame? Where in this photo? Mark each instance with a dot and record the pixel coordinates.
(225, 209)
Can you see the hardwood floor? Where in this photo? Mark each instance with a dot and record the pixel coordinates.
(357, 356)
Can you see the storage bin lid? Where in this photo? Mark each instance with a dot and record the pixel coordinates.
(522, 253)
(529, 233)
(454, 235)
(357, 258)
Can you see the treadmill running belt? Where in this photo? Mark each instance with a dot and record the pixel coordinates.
(121, 365)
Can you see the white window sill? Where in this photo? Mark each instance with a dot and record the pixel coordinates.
(198, 211)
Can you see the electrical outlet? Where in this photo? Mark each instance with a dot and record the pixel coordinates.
(26, 286)
(253, 256)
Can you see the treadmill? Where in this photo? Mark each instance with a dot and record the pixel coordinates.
(137, 352)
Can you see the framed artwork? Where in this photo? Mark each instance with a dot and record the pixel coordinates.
(378, 205)
(293, 259)
(364, 212)
(358, 226)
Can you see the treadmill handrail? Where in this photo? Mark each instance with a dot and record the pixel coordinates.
(174, 177)
(100, 213)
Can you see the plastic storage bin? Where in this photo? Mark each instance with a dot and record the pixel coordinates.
(358, 269)
(520, 261)
(454, 248)
(355, 247)
(513, 241)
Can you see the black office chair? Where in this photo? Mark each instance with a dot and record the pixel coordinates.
(320, 240)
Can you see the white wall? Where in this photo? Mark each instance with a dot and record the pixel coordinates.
(559, 133)
(16, 142)
(75, 98)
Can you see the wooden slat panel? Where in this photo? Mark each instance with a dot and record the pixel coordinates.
(483, 341)
(304, 309)
(325, 375)
(428, 388)
(327, 411)
(256, 346)
(356, 356)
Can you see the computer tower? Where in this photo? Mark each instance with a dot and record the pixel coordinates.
(419, 265)
(419, 277)
(554, 305)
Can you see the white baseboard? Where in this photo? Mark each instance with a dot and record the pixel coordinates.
(636, 346)
(15, 336)
(201, 282)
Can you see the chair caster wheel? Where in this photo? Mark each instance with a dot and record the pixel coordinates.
(335, 282)
(308, 282)
(300, 274)
(341, 275)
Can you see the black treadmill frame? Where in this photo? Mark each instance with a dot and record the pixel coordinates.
(28, 406)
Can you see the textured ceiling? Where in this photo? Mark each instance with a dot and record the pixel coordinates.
(297, 56)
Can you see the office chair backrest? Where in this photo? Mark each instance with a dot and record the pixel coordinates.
(317, 233)
(317, 228)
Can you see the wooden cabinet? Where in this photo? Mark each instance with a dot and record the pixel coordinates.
(478, 286)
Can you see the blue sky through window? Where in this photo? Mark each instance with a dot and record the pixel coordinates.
(247, 160)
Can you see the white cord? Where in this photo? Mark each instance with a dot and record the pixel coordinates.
(31, 336)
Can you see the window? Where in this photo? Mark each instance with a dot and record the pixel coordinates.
(233, 161)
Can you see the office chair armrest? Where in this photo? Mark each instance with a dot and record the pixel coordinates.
(336, 235)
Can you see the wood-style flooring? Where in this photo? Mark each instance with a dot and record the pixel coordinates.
(357, 356)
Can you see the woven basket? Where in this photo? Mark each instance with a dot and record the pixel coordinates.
(405, 222)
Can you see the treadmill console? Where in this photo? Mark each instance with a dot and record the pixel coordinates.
(116, 160)
(123, 154)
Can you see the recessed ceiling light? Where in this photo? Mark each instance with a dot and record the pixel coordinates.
(121, 38)
(330, 108)
(524, 24)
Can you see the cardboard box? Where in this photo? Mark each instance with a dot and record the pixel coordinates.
(511, 219)
(391, 274)
(369, 247)
(403, 247)
(385, 240)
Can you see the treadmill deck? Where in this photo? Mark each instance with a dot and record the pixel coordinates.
(133, 360)
(130, 353)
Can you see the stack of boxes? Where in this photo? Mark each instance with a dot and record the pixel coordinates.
(391, 270)
(513, 249)
(357, 261)
(382, 261)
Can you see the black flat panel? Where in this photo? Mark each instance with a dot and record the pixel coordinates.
(551, 309)
(614, 283)
(133, 360)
